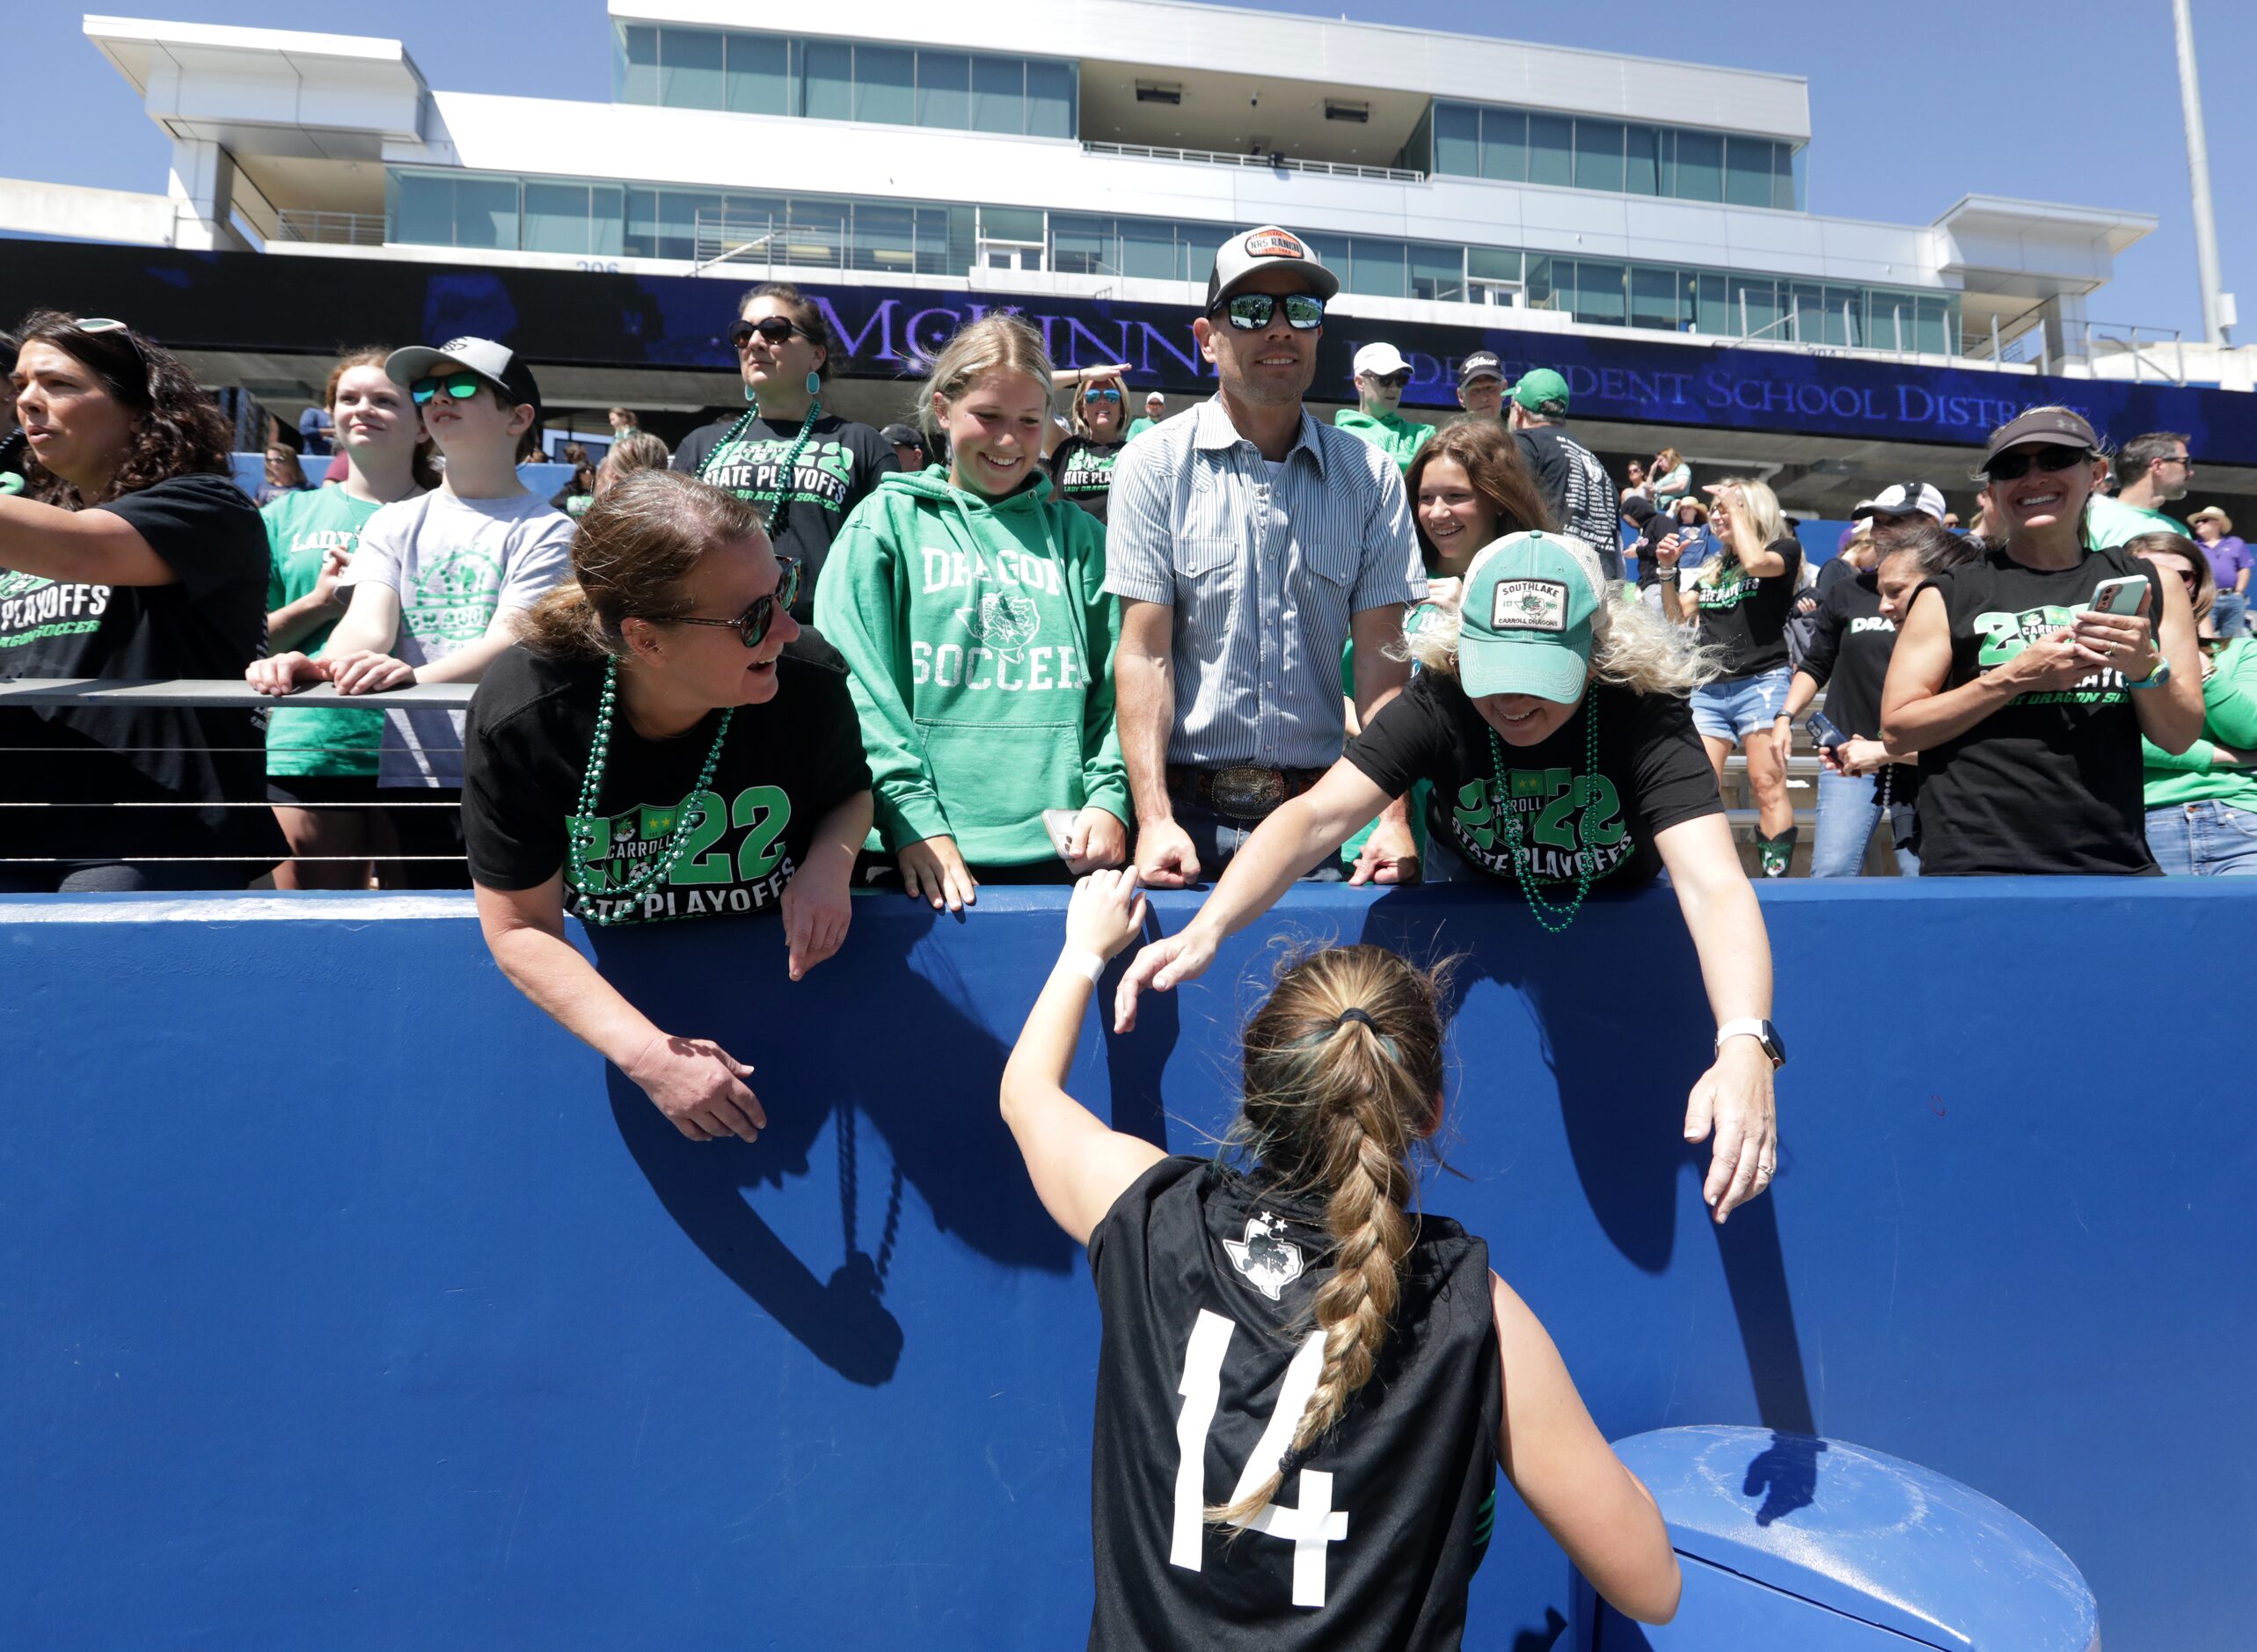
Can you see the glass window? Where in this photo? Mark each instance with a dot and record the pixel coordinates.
(1376, 266)
(1700, 166)
(1755, 307)
(1082, 247)
(1599, 292)
(1541, 293)
(1598, 155)
(1011, 223)
(1794, 190)
(885, 238)
(642, 225)
(1457, 139)
(1642, 160)
(1653, 299)
(1551, 149)
(1712, 311)
(829, 80)
(944, 90)
(421, 207)
(1051, 98)
(555, 217)
(486, 212)
(760, 75)
(1437, 272)
(999, 94)
(885, 85)
(681, 213)
(815, 233)
(1148, 250)
(689, 69)
(1417, 153)
(1504, 145)
(1748, 171)
(1491, 264)
(634, 77)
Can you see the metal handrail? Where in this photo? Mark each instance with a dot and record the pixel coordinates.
(1267, 162)
(220, 695)
(331, 228)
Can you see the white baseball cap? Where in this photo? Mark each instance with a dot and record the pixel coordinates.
(1380, 361)
(1902, 499)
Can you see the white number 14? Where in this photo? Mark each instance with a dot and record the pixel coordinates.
(1309, 1527)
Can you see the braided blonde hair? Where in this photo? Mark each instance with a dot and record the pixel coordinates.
(1335, 1103)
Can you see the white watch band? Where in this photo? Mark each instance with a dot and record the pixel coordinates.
(1083, 963)
(1747, 1026)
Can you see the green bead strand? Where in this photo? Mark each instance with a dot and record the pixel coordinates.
(1554, 919)
(581, 838)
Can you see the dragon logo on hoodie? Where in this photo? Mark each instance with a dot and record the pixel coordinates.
(1006, 624)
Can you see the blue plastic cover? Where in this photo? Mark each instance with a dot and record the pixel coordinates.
(1868, 1535)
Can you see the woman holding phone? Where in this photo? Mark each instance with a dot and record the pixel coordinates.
(2026, 678)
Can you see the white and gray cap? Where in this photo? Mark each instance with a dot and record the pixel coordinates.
(1241, 257)
(496, 364)
(1901, 498)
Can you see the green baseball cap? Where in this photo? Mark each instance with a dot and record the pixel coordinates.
(1525, 618)
(1539, 385)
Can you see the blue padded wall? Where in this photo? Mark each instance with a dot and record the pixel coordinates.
(346, 1302)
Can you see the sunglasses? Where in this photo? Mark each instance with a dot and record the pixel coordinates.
(2012, 467)
(1101, 394)
(1390, 381)
(1250, 312)
(753, 625)
(774, 329)
(101, 325)
(458, 387)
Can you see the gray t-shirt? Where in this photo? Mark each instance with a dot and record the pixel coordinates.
(456, 563)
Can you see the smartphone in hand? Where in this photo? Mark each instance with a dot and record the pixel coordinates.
(1822, 730)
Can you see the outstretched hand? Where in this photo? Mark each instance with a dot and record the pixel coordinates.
(1735, 1098)
(1162, 966)
(1106, 914)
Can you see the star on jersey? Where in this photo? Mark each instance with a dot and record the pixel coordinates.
(1268, 1263)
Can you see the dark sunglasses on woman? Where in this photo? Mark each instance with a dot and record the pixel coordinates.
(2012, 467)
(774, 329)
(1250, 312)
(458, 387)
(752, 624)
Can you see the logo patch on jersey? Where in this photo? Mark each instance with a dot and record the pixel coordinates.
(1529, 605)
(1006, 624)
(1268, 1263)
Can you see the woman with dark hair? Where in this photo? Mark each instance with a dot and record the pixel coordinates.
(661, 745)
(803, 468)
(1348, 1360)
(2026, 696)
(1469, 485)
(2202, 803)
(573, 497)
(321, 766)
(131, 555)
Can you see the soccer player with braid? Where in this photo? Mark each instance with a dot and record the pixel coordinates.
(1306, 1386)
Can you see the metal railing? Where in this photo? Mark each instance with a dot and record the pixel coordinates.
(329, 229)
(181, 694)
(1270, 161)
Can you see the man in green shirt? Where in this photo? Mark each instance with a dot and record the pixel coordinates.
(1382, 376)
(1156, 408)
(2151, 470)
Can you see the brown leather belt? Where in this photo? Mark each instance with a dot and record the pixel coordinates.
(1242, 793)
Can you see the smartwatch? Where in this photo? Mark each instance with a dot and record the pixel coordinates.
(2156, 678)
(1763, 1031)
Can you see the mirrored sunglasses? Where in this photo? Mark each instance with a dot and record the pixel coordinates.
(1304, 313)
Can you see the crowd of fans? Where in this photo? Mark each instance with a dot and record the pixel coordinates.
(1071, 637)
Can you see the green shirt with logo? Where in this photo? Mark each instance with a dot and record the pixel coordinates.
(302, 528)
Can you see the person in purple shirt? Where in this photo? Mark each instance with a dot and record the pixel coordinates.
(2230, 560)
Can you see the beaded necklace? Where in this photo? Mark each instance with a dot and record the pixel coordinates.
(1554, 919)
(579, 831)
(780, 502)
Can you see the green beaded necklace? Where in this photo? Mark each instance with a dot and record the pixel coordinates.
(580, 832)
(1554, 919)
(779, 503)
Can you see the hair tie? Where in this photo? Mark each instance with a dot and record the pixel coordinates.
(1355, 1015)
(1289, 1465)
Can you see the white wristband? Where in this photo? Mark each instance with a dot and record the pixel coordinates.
(1082, 963)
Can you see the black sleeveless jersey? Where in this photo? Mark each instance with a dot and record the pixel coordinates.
(1206, 1284)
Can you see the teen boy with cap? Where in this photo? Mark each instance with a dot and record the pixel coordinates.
(442, 582)
(1248, 544)
(1382, 376)
(1582, 495)
(1156, 408)
(1554, 729)
(1481, 385)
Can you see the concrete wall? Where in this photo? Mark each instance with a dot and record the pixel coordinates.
(346, 1302)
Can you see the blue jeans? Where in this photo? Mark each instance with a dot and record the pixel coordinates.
(1217, 836)
(2203, 840)
(2231, 615)
(1848, 810)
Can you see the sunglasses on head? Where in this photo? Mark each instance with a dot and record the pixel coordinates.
(457, 386)
(753, 625)
(1101, 394)
(1250, 312)
(2052, 460)
(774, 329)
(102, 325)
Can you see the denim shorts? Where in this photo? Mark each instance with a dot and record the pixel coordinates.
(1734, 709)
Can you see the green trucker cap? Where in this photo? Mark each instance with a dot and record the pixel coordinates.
(1539, 385)
(1525, 618)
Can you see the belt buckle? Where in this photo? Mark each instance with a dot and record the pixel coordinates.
(1247, 794)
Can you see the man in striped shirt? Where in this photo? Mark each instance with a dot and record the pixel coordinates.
(1248, 544)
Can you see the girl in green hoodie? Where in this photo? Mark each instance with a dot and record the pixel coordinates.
(2201, 804)
(972, 612)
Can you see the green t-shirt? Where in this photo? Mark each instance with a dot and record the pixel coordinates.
(2109, 522)
(300, 528)
(2207, 772)
(1394, 435)
(1138, 426)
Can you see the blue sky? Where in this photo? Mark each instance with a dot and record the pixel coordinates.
(2075, 101)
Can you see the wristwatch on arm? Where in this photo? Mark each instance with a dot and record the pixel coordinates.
(1763, 1031)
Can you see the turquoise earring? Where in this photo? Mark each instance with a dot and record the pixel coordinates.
(814, 383)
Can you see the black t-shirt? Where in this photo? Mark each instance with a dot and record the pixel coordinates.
(1581, 493)
(1205, 1283)
(788, 762)
(1653, 775)
(1083, 470)
(2049, 782)
(836, 470)
(1837, 569)
(1744, 616)
(210, 624)
(1848, 657)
